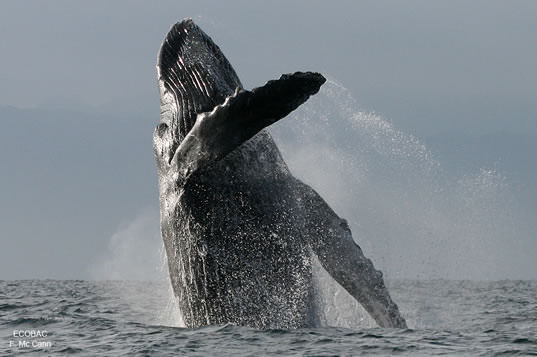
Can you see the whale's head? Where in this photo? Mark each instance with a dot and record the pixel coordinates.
(193, 77)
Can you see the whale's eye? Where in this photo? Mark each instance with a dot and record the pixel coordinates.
(161, 129)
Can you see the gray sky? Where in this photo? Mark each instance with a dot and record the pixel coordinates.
(428, 66)
(78, 99)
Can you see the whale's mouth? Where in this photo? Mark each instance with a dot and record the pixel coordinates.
(194, 76)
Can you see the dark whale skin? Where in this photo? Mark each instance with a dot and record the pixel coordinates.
(240, 232)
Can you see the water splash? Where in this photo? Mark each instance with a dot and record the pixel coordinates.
(412, 217)
(169, 315)
(123, 258)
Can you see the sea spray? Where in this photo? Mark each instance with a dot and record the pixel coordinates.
(170, 314)
(414, 219)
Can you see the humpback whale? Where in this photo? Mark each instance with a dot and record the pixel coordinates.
(240, 231)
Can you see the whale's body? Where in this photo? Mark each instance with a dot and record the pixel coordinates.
(240, 232)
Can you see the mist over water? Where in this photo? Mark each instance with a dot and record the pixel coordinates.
(134, 251)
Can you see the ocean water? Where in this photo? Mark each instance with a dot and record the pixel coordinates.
(131, 318)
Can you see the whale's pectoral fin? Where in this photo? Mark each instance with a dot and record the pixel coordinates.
(332, 242)
(240, 117)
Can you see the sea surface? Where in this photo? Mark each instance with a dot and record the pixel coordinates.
(129, 318)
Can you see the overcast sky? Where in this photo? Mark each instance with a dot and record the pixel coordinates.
(427, 66)
(82, 69)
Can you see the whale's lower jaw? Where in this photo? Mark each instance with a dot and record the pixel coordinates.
(194, 76)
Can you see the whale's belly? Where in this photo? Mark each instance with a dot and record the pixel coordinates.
(238, 254)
